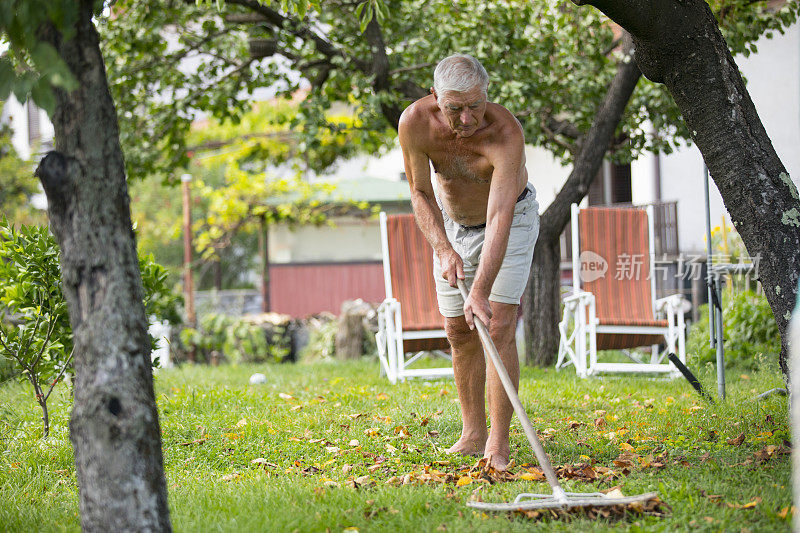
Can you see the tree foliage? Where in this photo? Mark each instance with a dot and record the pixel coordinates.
(32, 67)
(549, 62)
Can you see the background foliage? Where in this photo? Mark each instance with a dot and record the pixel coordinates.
(750, 332)
(31, 293)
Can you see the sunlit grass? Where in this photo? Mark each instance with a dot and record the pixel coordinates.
(314, 428)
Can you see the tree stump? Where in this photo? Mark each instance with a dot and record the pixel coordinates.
(350, 331)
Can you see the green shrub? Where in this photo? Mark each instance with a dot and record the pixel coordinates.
(321, 340)
(35, 332)
(749, 329)
(236, 339)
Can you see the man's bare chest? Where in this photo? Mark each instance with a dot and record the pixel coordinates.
(456, 162)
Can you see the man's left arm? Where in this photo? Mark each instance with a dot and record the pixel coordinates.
(503, 192)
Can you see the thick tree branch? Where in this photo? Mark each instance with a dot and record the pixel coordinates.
(179, 56)
(298, 29)
(410, 68)
(553, 136)
(593, 148)
(638, 18)
(563, 127)
(380, 69)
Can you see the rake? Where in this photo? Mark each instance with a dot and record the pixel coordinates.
(559, 499)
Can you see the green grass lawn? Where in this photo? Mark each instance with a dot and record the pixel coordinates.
(328, 446)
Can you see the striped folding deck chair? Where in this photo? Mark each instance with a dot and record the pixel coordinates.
(409, 323)
(613, 304)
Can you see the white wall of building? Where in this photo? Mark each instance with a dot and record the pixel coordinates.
(349, 240)
(16, 115)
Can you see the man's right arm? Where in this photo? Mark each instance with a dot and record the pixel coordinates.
(423, 202)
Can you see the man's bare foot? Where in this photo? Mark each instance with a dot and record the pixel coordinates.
(468, 446)
(497, 457)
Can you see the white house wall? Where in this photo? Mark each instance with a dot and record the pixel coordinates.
(16, 115)
(350, 240)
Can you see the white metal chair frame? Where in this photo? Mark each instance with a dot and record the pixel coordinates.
(390, 336)
(580, 311)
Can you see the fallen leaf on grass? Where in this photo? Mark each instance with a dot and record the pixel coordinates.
(285, 396)
(653, 507)
(786, 511)
(264, 462)
(765, 454)
(532, 475)
(548, 433)
(748, 505)
(402, 432)
(196, 441)
(230, 477)
(716, 498)
(736, 441)
(464, 480)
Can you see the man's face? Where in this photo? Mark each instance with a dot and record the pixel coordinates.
(463, 110)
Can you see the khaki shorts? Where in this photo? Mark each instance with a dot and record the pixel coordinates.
(513, 275)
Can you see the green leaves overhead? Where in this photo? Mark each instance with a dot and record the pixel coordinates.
(30, 67)
(547, 61)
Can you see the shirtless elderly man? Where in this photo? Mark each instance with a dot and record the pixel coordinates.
(482, 222)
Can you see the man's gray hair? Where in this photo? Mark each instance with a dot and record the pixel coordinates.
(459, 72)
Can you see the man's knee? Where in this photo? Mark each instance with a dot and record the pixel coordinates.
(503, 326)
(458, 332)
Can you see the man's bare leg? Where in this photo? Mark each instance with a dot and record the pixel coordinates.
(469, 370)
(502, 329)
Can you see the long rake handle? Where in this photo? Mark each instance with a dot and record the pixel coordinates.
(494, 356)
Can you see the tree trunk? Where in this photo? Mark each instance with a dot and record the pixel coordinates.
(349, 340)
(114, 425)
(542, 297)
(681, 46)
(543, 312)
